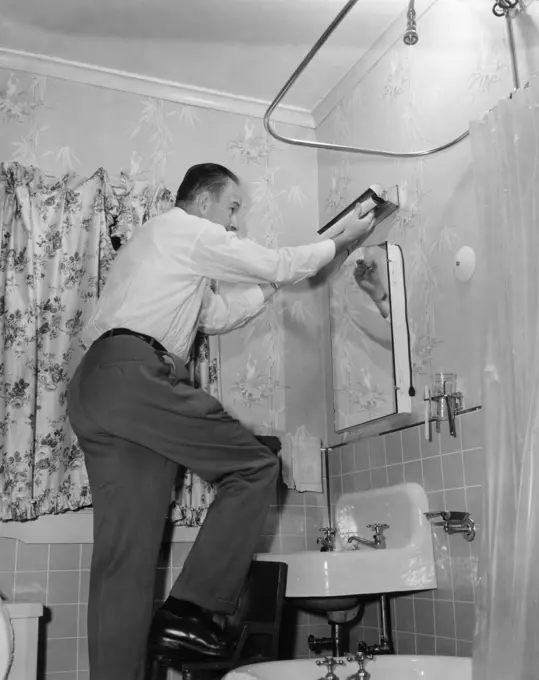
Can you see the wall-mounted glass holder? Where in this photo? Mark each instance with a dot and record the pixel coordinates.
(443, 403)
(453, 522)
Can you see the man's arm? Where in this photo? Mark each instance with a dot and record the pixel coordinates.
(221, 255)
(232, 308)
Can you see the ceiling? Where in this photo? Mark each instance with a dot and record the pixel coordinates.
(242, 47)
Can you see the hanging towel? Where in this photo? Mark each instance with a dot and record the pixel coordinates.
(301, 458)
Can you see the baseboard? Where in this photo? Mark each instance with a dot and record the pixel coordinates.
(71, 527)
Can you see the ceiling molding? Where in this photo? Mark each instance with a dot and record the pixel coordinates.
(145, 86)
(367, 62)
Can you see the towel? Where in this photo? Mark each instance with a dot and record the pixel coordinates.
(301, 457)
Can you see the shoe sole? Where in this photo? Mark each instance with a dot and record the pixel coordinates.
(168, 645)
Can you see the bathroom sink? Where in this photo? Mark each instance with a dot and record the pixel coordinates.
(397, 667)
(340, 577)
(326, 605)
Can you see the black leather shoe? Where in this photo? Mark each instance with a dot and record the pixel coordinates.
(186, 629)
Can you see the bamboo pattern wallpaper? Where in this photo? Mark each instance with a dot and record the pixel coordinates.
(417, 98)
(272, 371)
(61, 126)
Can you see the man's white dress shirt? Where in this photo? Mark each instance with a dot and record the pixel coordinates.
(159, 283)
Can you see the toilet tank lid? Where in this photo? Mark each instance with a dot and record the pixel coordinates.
(24, 610)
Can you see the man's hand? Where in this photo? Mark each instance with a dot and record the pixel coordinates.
(359, 228)
(367, 277)
(356, 230)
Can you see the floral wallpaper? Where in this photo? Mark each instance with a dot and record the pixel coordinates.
(62, 126)
(418, 98)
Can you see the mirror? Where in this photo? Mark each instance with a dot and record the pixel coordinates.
(370, 354)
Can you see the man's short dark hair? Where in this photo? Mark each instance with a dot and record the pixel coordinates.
(209, 177)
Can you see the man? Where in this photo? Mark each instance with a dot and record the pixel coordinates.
(137, 419)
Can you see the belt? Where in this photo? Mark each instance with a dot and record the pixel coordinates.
(145, 338)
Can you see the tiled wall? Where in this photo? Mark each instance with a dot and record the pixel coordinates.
(438, 622)
(58, 576)
(451, 472)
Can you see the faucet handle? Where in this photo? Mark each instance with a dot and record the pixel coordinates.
(378, 528)
(328, 531)
(330, 662)
(361, 658)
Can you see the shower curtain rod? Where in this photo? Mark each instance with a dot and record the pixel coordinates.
(354, 149)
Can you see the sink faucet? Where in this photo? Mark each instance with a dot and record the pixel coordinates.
(361, 659)
(378, 541)
(330, 662)
(328, 540)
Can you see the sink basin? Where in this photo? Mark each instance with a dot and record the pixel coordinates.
(406, 564)
(398, 667)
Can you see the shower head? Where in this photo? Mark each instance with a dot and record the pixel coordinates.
(411, 36)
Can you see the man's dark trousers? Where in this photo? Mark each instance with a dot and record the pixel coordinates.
(137, 419)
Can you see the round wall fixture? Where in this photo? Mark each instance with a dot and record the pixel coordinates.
(464, 263)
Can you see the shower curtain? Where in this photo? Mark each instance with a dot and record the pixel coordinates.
(58, 239)
(505, 147)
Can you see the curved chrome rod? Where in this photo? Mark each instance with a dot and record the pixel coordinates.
(338, 147)
(512, 51)
(503, 7)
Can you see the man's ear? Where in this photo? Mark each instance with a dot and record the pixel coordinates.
(203, 202)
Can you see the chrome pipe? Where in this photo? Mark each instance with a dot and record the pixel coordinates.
(411, 36)
(339, 147)
(502, 7)
(386, 638)
(339, 639)
(507, 9)
(512, 51)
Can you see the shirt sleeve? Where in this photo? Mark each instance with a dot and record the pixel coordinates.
(224, 312)
(218, 254)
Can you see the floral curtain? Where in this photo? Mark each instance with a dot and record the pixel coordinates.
(58, 238)
(55, 252)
